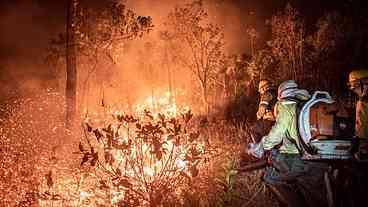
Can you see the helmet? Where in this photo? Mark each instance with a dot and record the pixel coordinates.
(286, 85)
(265, 85)
(356, 77)
(290, 89)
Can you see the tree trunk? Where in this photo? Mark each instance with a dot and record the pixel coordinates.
(169, 77)
(205, 98)
(71, 67)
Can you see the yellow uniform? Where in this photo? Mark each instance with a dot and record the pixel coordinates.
(285, 130)
(361, 122)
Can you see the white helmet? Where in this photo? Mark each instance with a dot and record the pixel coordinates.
(286, 87)
(290, 88)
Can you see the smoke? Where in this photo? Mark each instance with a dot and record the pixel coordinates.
(30, 25)
(27, 27)
(233, 16)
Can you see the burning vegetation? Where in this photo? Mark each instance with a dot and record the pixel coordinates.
(158, 113)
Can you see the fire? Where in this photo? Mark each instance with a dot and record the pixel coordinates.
(164, 104)
(134, 155)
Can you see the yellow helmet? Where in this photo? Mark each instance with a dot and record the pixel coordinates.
(356, 76)
(265, 85)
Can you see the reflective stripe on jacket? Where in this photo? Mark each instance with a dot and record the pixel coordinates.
(284, 132)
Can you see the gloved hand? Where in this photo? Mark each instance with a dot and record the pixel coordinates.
(256, 149)
(261, 111)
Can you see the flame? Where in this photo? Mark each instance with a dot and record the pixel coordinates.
(165, 103)
(84, 190)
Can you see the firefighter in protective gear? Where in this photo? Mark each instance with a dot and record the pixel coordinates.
(267, 100)
(265, 117)
(358, 83)
(285, 130)
(288, 172)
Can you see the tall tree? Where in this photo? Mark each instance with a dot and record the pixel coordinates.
(96, 34)
(287, 45)
(199, 45)
(71, 65)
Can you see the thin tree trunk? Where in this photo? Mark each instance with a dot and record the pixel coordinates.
(169, 77)
(71, 68)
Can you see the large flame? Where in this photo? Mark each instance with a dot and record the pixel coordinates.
(83, 188)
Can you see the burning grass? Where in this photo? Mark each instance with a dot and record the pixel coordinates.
(118, 159)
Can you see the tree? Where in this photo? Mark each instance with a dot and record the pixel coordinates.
(287, 44)
(71, 67)
(99, 31)
(328, 49)
(199, 45)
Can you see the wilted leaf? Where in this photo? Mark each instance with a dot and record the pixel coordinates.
(118, 172)
(109, 140)
(170, 137)
(187, 116)
(177, 141)
(89, 128)
(120, 118)
(177, 129)
(184, 174)
(159, 155)
(125, 183)
(161, 117)
(49, 180)
(108, 157)
(108, 129)
(94, 159)
(97, 134)
(85, 158)
(194, 171)
(188, 158)
(103, 102)
(148, 114)
(81, 148)
(103, 185)
(193, 136)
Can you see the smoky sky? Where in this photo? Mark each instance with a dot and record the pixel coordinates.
(27, 26)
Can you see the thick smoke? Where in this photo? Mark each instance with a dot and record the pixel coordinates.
(27, 27)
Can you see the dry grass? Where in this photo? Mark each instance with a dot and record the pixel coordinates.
(38, 168)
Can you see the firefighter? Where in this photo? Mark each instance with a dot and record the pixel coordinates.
(293, 180)
(358, 83)
(267, 94)
(265, 117)
(267, 100)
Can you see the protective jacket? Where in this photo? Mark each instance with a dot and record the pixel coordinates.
(361, 123)
(284, 132)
